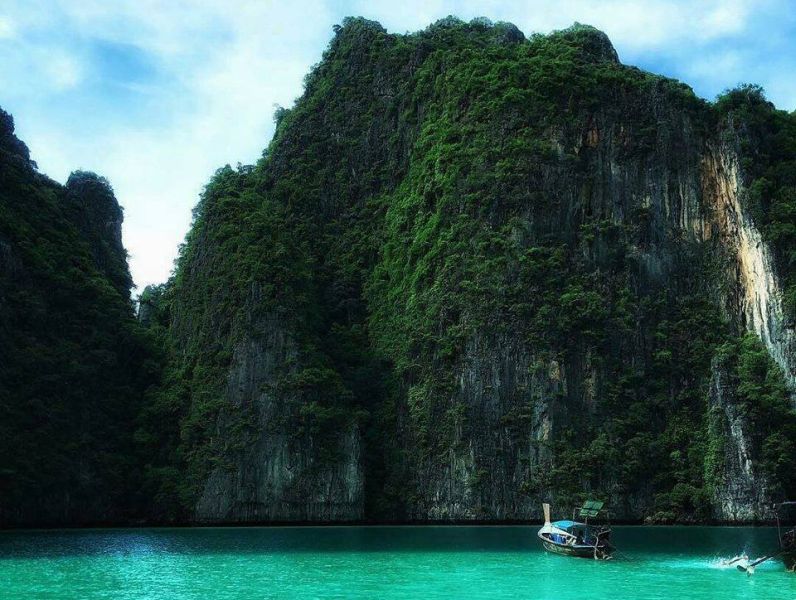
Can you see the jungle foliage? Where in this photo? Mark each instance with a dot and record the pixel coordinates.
(74, 360)
(406, 205)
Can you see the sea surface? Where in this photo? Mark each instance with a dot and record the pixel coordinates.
(669, 563)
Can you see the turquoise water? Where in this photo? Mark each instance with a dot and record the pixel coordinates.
(381, 562)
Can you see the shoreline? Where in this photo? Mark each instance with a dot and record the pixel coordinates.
(342, 524)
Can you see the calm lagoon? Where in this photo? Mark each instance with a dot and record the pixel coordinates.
(381, 562)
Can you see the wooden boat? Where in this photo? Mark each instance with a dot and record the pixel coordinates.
(786, 531)
(577, 538)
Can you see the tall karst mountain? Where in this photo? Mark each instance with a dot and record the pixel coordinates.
(471, 272)
(73, 360)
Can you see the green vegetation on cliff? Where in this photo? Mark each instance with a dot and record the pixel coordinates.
(74, 361)
(443, 201)
(770, 417)
(768, 146)
(471, 272)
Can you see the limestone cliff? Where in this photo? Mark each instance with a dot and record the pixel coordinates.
(72, 361)
(277, 475)
(754, 292)
(473, 272)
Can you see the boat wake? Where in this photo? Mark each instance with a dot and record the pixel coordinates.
(720, 562)
(740, 562)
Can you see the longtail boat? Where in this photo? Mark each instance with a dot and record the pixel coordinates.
(577, 538)
(786, 531)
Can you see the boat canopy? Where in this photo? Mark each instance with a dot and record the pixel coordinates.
(565, 524)
(591, 508)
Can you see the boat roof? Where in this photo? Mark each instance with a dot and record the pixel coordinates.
(566, 524)
(591, 508)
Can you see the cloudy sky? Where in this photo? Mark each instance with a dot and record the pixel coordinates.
(155, 95)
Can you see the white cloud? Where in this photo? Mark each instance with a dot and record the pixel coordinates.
(225, 69)
(222, 66)
(64, 71)
(7, 29)
(726, 18)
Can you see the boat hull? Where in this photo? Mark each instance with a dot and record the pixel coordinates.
(565, 550)
(789, 558)
(573, 538)
(604, 551)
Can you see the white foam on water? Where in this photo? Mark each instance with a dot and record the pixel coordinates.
(728, 562)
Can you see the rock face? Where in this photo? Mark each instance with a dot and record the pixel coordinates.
(755, 298)
(693, 195)
(753, 302)
(472, 273)
(742, 494)
(488, 475)
(277, 475)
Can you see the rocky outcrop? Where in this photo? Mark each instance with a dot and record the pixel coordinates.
(97, 214)
(691, 192)
(751, 295)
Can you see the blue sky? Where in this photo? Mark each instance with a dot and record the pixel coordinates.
(155, 95)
